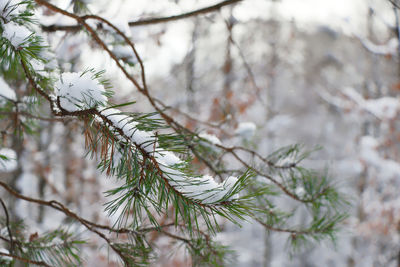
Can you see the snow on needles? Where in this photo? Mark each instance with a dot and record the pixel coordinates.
(16, 34)
(78, 91)
(8, 8)
(6, 92)
(8, 160)
(204, 189)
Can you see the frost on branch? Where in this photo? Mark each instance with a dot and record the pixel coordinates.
(78, 91)
(203, 189)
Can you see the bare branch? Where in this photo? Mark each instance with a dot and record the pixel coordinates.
(197, 12)
(12, 244)
(29, 115)
(39, 263)
(149, 21)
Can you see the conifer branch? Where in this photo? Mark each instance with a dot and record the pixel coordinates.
(135, 149)
(60, 207)
(168, 119)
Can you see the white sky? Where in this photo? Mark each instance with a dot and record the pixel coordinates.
(346, 15)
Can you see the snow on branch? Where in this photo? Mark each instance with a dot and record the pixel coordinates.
(388, 49)
(12, 15)
(16, 34)
(6, 92)
(369, 155)
(78, 91)
(81, 91)
(203, 189)
(384, 108)
(8, 9)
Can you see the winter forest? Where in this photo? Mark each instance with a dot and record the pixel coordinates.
(182, 133)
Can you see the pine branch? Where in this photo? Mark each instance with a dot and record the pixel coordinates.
(58, 110)
(169, 120)
(153, 177)
(60, 207)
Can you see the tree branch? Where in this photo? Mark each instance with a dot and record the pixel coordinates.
(12, 244)
(177, 127)
(60, 207)
(40, 263)
(197, 12)
(149, 21)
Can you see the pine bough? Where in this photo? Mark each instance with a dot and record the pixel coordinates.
(150, 154)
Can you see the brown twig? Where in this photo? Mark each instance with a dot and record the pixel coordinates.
(28, 115)
(197, 12)
(282, 230)
(12, 244)
(39, 263)
(60, 207)
(32, 82)
(149, 21)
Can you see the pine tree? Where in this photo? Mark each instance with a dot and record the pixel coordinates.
(150, 155)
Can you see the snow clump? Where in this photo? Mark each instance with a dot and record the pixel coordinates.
(210, 138)
(246, 129)
(5, 259)
(8, 160)
(78, 91)
(16, 34)
(6, 92)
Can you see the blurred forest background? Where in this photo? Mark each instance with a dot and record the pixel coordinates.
(311, 72)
